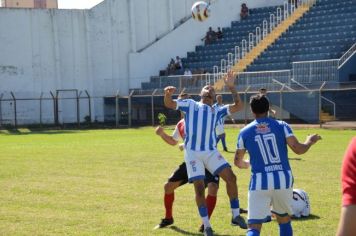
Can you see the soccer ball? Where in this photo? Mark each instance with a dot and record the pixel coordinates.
(200, 11)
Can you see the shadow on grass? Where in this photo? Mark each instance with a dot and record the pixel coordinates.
(310, 217)
(29, 132)
(184, 232)
(295, 159)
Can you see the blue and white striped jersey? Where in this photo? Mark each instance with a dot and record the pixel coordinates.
(221, 121)
(200, 122)
(265, 140)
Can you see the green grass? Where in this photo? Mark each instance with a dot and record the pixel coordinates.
(110, 182)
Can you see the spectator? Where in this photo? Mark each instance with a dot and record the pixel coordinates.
(178, 63)
(219, 34)
(244, 11)
(210, 36)
(171, 67)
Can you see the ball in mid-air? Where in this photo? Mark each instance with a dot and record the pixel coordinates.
(200, 11)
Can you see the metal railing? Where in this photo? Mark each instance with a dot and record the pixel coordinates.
(320, 70)
(267, 27)
(347, 55)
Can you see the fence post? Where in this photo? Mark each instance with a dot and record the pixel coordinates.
(15, 109)
(281, 101)
(153, 107)
(321, 87)
(55, 118)
(89, 104)
(41, 109)
(78, 108)
(245, 97)
(1, 109)
(117, 109)
(130, 108)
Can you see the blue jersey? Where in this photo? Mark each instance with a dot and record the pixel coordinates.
(200, 122)
(265, 140)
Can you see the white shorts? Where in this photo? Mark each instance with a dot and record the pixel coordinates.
(260, 203)
(219, 129)
(197, 161)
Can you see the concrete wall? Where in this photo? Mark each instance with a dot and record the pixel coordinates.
(112, 47)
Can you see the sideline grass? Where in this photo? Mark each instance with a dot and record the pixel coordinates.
(110, 182)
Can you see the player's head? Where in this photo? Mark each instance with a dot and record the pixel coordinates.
(259, 105)
(207, 94)
(219, 99)
(263, 91)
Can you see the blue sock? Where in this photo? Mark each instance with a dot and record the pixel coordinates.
(253, 232)
(234, 203)
(285, 229)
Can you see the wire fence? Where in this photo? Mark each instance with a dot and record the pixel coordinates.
(293, 101)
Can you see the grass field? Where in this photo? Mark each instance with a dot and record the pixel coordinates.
(110, 182)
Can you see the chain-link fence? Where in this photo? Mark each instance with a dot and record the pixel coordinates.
(303, 103)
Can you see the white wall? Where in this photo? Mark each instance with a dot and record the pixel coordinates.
(112, 47)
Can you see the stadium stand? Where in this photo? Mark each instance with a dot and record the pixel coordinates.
(327, 31)
(205, 57)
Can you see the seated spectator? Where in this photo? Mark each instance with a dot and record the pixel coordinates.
(210, 36)
(171, 67)
(219, 34)
(178, 63)
(244, 11)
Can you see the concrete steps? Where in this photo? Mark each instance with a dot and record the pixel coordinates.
(277, 32)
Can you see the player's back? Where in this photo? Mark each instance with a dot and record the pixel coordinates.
(265, 140)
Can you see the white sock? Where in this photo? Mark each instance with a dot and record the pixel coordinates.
(206, 222)
(235, 212)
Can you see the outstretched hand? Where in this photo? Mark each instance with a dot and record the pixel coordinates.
(313, 138)
(230, 79)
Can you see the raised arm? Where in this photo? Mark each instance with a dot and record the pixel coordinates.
(167, 138)
(168, 101)
(229, 82)
(301, 148)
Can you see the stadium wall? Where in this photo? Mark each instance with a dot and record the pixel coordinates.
(112, 47)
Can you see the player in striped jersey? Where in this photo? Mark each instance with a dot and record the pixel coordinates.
(220, 131)
(271, 183)
(179, 177)
(200, 145)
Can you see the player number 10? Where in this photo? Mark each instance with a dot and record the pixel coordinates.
(268, 148)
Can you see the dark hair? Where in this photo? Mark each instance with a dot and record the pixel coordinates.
(259, 104)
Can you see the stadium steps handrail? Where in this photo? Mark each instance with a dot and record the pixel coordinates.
(269, 39)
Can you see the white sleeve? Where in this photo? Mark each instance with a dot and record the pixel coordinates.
(175, 135)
